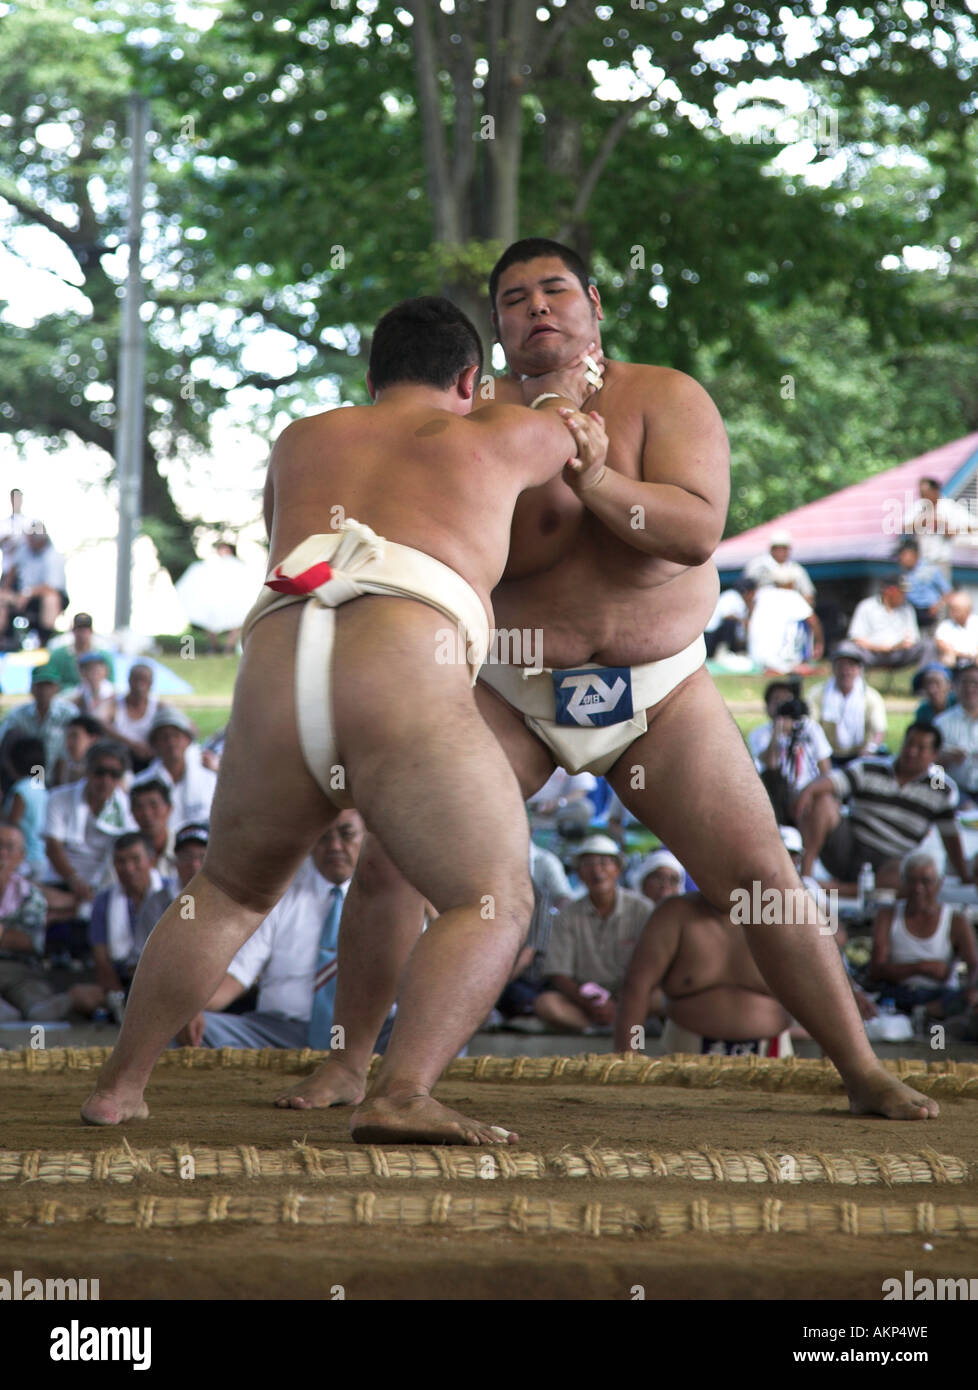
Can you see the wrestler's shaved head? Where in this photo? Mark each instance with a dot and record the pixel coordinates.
(531, 249)
(427, 340)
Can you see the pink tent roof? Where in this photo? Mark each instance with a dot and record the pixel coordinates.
(860, 522)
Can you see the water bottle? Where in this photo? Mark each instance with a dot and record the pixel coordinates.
(865, 887)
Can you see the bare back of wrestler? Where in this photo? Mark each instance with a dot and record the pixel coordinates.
(620, 574)
(420, 473)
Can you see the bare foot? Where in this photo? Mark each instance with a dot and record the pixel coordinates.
(882, 1094)
(420, 1119)
(107, 1109)
(332, 1083)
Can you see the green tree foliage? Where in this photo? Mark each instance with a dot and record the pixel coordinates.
(314, 161)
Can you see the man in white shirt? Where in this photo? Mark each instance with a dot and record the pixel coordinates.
(957, 635)
(282, 955)
(935, 521)
(40, 583)
(177, 762)
(782, 627)
(851, 713)
(959, 729)
(764, 568)
(885, 627)
(728, 623)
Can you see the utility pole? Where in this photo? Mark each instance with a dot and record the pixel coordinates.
(132, 369)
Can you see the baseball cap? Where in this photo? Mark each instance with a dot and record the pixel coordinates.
(194, 833)
(850, 652)
(917, 684)
(598, 844)
(780, 537)
(89, 657)
(893, 580)
(658, 859)
(43, 673)
(166, 717)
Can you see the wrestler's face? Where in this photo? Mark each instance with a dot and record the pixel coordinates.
(542, 316)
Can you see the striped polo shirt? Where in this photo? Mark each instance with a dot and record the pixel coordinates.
(893, 818)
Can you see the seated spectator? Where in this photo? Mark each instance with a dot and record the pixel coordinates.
(789, 750)
(565, 797)
(660, 875)
(81, 734)
(212, 749)
(95, 695)
(764, 569)
(851, 713)
(549, 877)
(591, 943)
(26, 802)
(892, 805)
(792, 841)
(149, 803)
(783, 632)
(717, 999)
(923, 583)
(82, 823)
(957, 636)
(885, 627)
(24, 990)
(134, 715)
(39, 594)
(934, 680)
(13, 528)
(66, 651)
(189, 849)
(119, 929)
(728, 624)
(917, 942)
(959, 734)
(177, 762)
(292, 956)
(46, 717)
(935, 520)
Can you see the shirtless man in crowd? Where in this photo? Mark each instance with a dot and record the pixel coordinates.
(717, 999)
(617, 574)
(396, 730)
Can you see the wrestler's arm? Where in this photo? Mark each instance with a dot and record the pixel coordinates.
(654, 954)
(677, 509)
(536, 443)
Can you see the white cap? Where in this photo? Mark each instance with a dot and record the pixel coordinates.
(780, 537)
(658, 859)
(791, 838)
(599, 844)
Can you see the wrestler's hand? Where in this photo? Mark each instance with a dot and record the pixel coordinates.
(588, 468)
(576, 381)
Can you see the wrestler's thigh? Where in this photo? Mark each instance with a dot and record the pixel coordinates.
(691, 780)
(268, 811)
(446, 805)
(529, 759)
